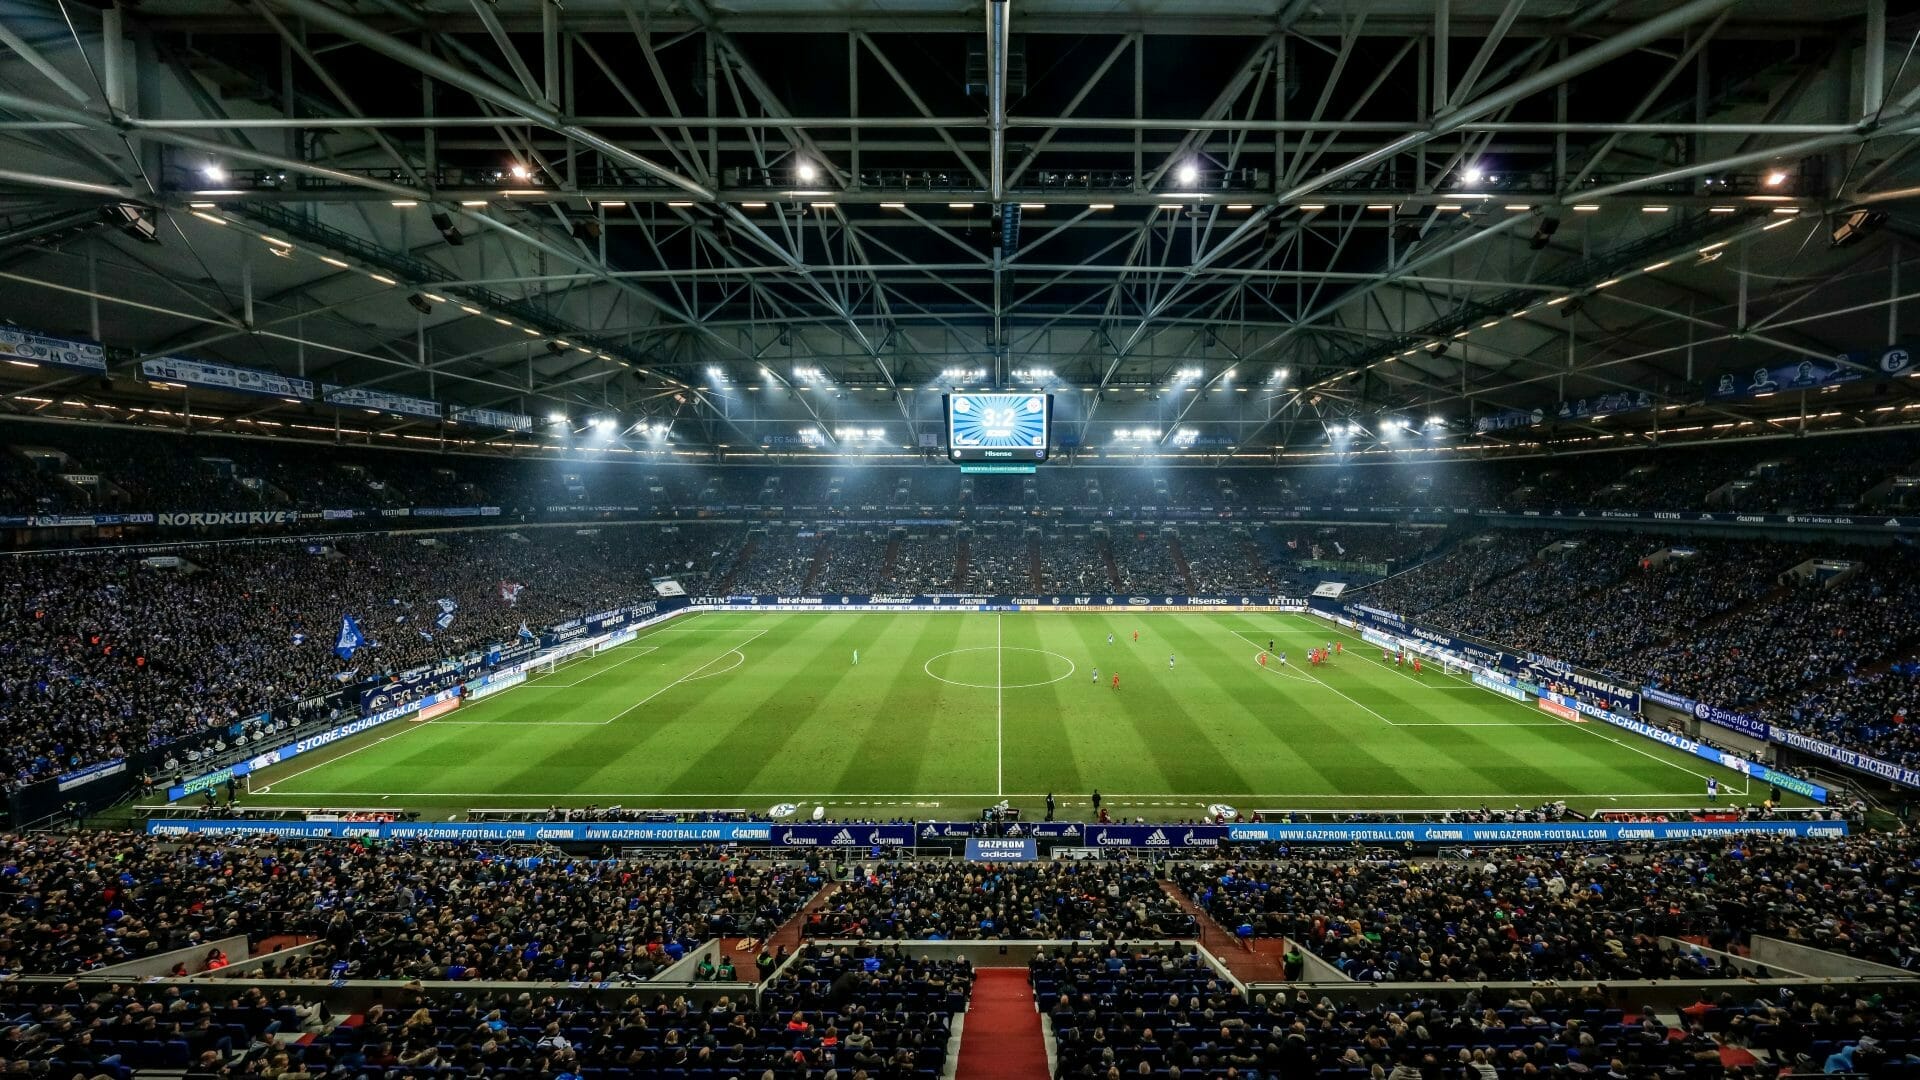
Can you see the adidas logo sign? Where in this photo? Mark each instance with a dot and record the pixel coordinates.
(843, 838)
(1156, 838)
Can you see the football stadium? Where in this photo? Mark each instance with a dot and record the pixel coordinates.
(959, 540)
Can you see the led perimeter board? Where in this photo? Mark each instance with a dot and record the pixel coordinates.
(1011, 428)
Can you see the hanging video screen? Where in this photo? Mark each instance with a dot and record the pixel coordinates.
(1014, 428)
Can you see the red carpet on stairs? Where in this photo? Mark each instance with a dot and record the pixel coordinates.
(1002, 1039)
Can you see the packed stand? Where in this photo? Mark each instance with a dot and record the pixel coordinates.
(1875, 713)
(855, 560)
(1510, 610)
(959, 901)
(1812, 633)
(998, 560)
(404, 910)
(878, 1014)
(106, 654)
(1592, 913)
(1468, 567)
(1160, 1013)
(1658, 597)
(1222, 561)
(111, 1030)
(1071, 561)
(778, 561)
(1388, 545)
(1145, 560)
(924, 564)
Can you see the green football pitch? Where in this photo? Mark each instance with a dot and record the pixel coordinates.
(947, 713)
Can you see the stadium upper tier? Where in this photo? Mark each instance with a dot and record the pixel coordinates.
(80, 469)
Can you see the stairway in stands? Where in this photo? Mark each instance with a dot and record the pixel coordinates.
(1257, 960)
(1180, 564)
(1001, 1038)
(962, 557)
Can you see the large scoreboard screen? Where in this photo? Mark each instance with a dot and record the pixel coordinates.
(1012, 428)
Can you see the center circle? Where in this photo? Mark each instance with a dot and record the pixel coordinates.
(1026, 664)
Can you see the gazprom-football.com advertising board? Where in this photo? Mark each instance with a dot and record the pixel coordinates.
(860, 838)
(1031, 602)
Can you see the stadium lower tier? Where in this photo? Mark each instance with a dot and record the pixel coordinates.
(83, 901)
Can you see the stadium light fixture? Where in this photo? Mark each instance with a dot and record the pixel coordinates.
(1776, 177)
(557, 418)
(1189, 174)
(806, 170)
(1472, 174)
(517, 171)
(214, 173)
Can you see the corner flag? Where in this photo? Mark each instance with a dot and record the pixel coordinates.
(350, 638)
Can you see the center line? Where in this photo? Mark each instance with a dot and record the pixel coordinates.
(999, 716)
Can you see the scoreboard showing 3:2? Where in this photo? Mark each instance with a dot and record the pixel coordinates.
(999, 427)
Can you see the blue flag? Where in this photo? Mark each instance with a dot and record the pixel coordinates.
(350, 638)
(299, 638)
(525, 634)
(445, 620)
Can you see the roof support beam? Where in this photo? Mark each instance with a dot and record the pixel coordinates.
(322, 15)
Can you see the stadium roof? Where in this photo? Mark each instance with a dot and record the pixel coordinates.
(1247, 219)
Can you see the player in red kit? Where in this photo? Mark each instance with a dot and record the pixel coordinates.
(1416, 665)
(1116, 680)
(1136, 637)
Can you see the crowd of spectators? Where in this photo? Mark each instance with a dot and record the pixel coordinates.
(998, 559)
(163, 471)
(1072, 560)
(871, 1012)
(1223, 562)
(777, 561)
(1872, 712)
(1158, 1012)
(112, 652)
(1144, 557)
(925, 563)
(854, 561)
(1511, 609)
(954, 901)
(76, 901)
(1461, 572)
(1593, 913)
(1813, 632)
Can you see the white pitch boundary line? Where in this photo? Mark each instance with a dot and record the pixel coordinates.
(757, 634)
(283, 780)
(278, 781)
(999, 710)
(584, 679)
(695, 673)
(844, 798)
(1368, 710)
(1335, 628)
(1744, 787)
(1279, 667)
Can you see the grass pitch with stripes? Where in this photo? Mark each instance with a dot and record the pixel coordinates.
(947, 713)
